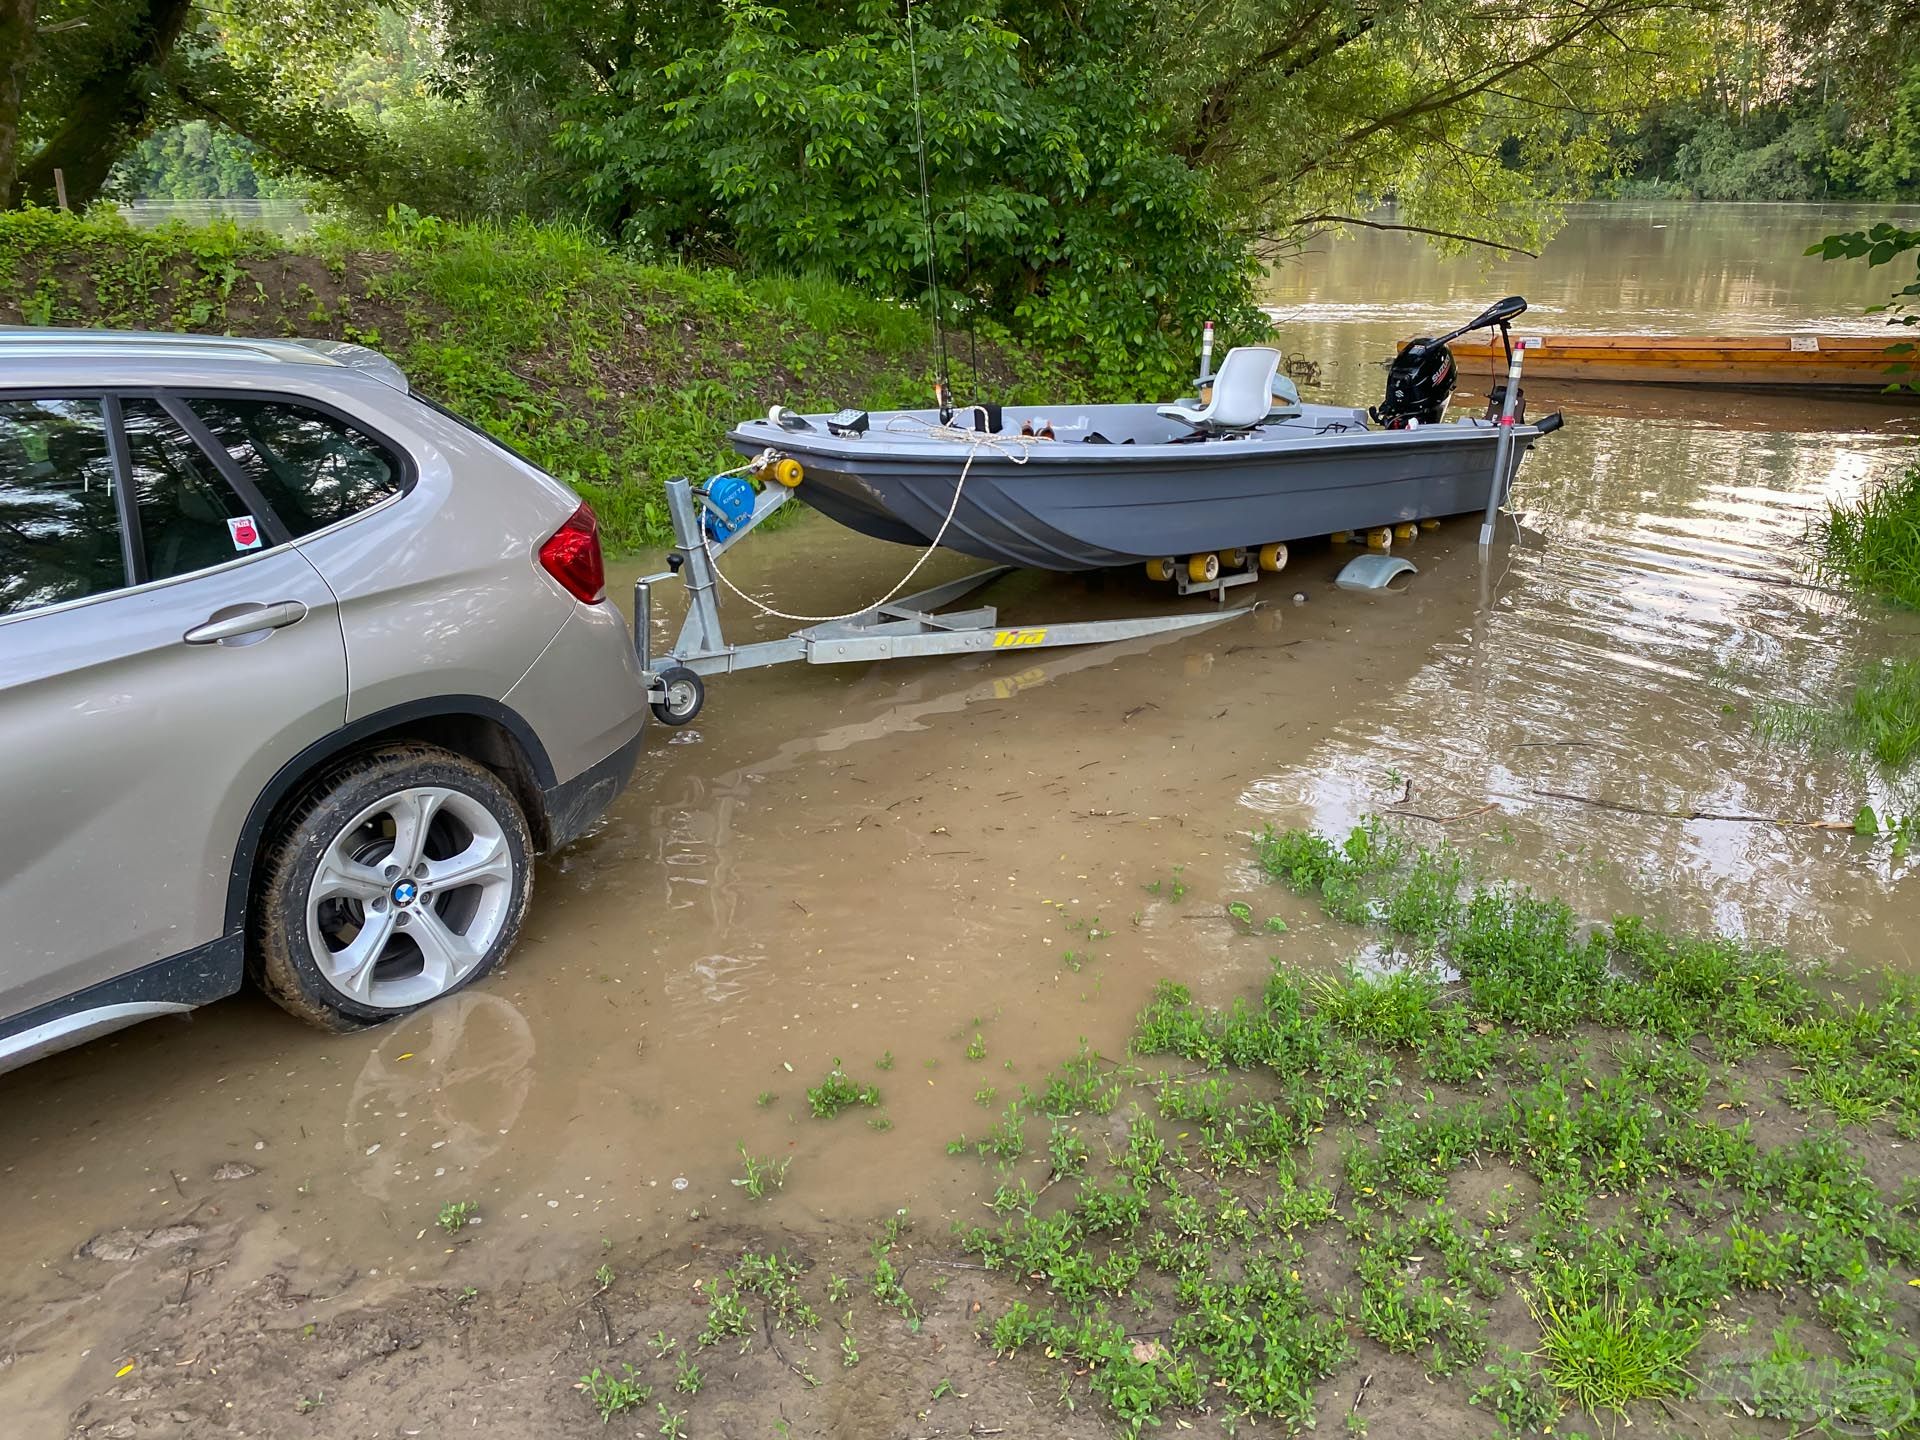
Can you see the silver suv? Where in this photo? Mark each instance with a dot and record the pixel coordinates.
(297, 673)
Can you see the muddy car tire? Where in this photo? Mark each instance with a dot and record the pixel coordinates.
(398, 877)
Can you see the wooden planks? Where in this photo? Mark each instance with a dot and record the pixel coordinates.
(1844, 362)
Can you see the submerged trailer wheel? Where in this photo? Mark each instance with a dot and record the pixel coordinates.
(1161, 569)
(1273, 558)
(1201, 568)
(686, 693)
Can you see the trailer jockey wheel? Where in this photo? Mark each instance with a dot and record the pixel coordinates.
(685, 694)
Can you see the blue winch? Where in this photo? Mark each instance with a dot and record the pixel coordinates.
(726, 503)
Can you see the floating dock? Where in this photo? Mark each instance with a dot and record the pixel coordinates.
(1795, 362)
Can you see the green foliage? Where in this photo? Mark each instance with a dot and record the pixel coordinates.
(1885, 244)
(838, 1092)
(1873, 544)
(612, 374)
(1606, 1350)
(764, 1175)
(1292, 1186)
(612, 1394)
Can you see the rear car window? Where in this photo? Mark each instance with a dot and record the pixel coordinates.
(59, 522)
(312, 468)
(190, 518)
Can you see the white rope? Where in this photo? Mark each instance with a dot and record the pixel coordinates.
(1015, 447)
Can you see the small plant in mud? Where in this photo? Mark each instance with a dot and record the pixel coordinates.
(672, 1426)
(765, 1098)
(1520, 1397)
(662, 1345)
(687, 1378)
(603, 1277)
(977, 1047)
(1172, 886)
(456, 1215)
(849, 1352)
(613, 1394)
(764, 1175)
(885, 1062)
(837, 1092)
(727, 1315)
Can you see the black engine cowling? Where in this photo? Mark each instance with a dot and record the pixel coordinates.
(1419, 384)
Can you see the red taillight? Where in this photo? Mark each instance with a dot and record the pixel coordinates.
(572, 556)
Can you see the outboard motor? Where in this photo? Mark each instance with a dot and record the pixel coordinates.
(1419, 385)
(1421, 379)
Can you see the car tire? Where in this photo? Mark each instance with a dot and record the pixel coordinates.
(346, 932)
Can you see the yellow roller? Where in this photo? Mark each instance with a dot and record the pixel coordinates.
(1405, 530)
(788, 471)
(1160, 569)
(1429, 524)
(1201, 568)
(1273, 558)
(1232, 559)
(1341, 537)
(1380, 539)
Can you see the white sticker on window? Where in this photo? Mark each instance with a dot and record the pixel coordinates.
(246, 534)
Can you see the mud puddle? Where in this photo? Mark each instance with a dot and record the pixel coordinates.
(946, 876)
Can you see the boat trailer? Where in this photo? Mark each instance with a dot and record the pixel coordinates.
(909, 627)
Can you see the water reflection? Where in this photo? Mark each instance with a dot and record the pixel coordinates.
(1599, 712)
(439, 1093)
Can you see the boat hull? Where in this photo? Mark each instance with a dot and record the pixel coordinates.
(1071, 507)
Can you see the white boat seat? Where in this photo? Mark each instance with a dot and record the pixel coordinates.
(1242, 392)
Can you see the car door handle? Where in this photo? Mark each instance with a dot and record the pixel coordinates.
(245, 620)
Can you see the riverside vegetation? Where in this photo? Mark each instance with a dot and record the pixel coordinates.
(1569, 1174)
(1871, 547)
(611, 373)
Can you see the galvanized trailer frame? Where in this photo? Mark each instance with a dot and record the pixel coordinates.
(910, 627)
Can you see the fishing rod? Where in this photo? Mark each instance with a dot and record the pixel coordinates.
(942, 386)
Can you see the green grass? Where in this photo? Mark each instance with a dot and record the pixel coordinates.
(1277, 1203)
(1879, 718)
(613, 374)
(1873, 545)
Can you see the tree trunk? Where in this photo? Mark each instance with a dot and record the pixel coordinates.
(17, 19)
(112, 110)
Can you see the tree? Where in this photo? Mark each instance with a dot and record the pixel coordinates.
(1103, 173)
(86, 80)
(17, 19)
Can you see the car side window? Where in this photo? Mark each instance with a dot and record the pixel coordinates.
(313, 469)
(59, 521)
(190, 518)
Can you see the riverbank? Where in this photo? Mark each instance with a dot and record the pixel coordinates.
(1514, 1174)
(611, 374)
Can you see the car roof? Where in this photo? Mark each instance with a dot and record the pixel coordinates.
(20, 343)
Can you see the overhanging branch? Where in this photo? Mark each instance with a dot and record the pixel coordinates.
(1412, 230)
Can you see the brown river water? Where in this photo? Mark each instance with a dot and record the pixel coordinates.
(884, 861)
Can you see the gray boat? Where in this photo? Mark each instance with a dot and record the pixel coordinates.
(1110, 485)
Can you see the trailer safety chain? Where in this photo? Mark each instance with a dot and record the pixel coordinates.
(1016, 448)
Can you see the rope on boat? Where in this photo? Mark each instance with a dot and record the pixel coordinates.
(1015, 447)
